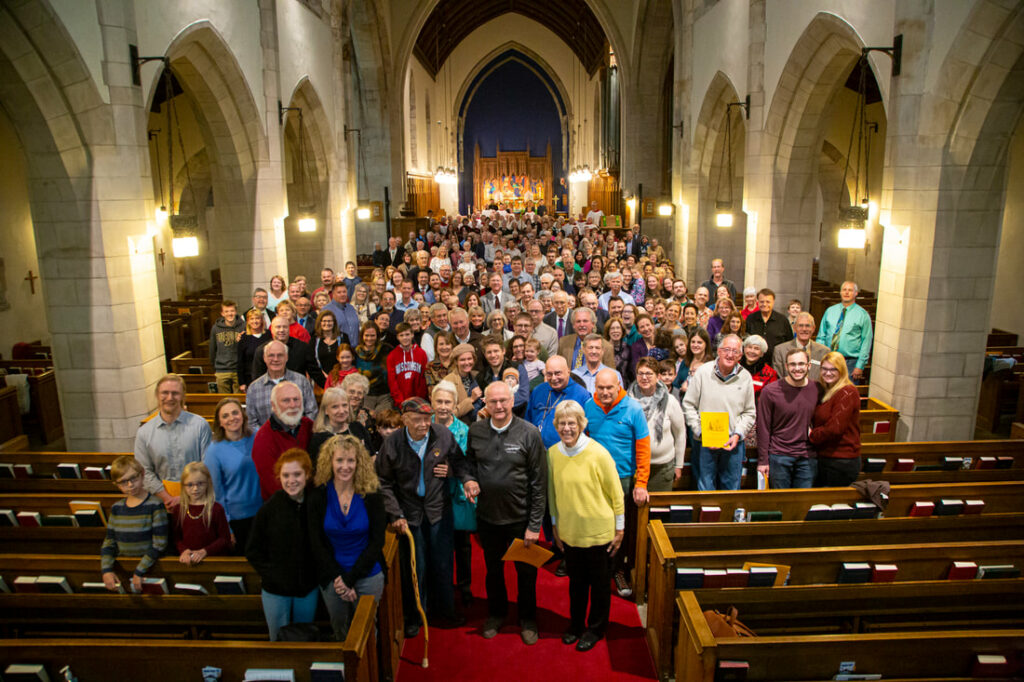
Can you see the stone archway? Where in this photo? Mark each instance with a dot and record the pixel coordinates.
(707, 151)
(945, 190)
(90, 221)
(245, 233)
(781, 254)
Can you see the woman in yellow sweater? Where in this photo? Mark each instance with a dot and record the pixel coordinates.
(588, 514)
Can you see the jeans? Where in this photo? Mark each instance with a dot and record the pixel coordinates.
(341, 611)
(786, 471)
(589, 581)
(495, 540)
(434, 569)
(280, 610)
(721, 469)
(835, 472)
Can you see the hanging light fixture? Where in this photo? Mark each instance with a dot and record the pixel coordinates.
(184, 228)
(444, 175)
(307, 200)
(853, 218)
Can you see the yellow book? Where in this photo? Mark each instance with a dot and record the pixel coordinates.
(714, 429)
(173, 488)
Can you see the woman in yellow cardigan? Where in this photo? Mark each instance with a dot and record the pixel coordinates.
(588, 514)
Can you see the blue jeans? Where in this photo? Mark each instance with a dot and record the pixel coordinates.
(341, 611)
(434, 569)
(721, 469)
(280, 610)
(786, 471)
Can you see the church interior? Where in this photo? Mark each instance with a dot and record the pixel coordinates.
(159, 157)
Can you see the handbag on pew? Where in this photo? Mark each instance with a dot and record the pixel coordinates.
(299, 632)
(723, 625)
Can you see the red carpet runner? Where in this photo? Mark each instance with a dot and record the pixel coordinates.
(462, 654)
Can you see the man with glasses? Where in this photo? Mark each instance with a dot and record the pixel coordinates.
(721, 386)
(804, 340)
(784, 414)
(558, 386)
(170, 440)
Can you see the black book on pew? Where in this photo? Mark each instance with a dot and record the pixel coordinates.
(59, 520)
(762, 576)
(998, 571)
(680, 513)
(873, 464)
(731, 671)
(26, 672)
(865, 510)
(1004, 462)
(323, 671)
(952, 463)
(229, 584)
(819, 512)
(88, 518)
(69, 470)
(54, 584)
(276, 674)
(841, 511)
(3, 586)
(660, 513)
(949, 508)
(771, 515)
(689, 578)
(854, 572)
(6, 470)
(8, 518)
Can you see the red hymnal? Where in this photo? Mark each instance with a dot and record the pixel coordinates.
(963, 570)
(904, 464)
(884, 573)
(986, 463)
(922, 508)
(737, 577)
(973, 506)
(714, 578)
(709, 514)
(991, 665)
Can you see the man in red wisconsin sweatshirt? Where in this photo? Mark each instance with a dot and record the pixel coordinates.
(406, 367)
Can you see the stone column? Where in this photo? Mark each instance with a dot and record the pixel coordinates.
(685, 174)
(758, 171)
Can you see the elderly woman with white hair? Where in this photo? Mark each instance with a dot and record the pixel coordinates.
(755, 361)
(443, 398)
(497, 326)
(588, 515)
(749, 302)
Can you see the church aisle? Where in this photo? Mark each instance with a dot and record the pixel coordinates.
(462, 654)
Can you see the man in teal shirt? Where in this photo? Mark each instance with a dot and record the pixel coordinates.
(846, 328)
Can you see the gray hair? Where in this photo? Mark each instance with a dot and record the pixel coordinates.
(756, 340)
(266, 348)
(582, 309)
(444, 386)
(610, 275)
(750, 291)
(280, 387)
(570, 409)
(355, 379)
(856, 289)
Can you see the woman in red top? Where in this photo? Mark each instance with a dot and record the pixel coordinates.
(755, 361)
(835, 431)
(201, 526)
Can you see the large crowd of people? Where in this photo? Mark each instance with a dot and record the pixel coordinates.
(499, 375)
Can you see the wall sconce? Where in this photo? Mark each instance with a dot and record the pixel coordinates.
(723, 217)
(185, 243)
(363, 212)
(852, 238)
(307, 224)
(665, 209)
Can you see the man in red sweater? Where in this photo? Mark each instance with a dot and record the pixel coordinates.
(287, 428)
(406, 366)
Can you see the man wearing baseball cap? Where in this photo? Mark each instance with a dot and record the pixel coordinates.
(413, 465)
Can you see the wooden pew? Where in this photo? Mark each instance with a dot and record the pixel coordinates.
(44, 398)
(931, 655)
(1000, 337)
(90, 659)
(999, 497)
(188, 363)
(877, 421)
(174, 337)
(10, 415)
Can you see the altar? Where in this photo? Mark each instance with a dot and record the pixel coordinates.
(513, 179)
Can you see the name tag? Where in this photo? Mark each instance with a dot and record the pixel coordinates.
(758, 383)
(815, 362)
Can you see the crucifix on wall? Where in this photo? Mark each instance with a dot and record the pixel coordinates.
(31, 279)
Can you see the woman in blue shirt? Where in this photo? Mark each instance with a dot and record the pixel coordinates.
(347, 523)
(236, 483)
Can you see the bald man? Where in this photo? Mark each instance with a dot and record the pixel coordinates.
(558, 386)
(617, 422)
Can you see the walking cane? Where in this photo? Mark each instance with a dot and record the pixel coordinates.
(416, 591)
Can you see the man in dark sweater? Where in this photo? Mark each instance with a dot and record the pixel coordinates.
(224, 347)
(784, 414)
(413, 465)
(769, 323)
(511, 461)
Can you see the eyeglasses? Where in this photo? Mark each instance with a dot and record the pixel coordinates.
(645, 375)
(128, 481)
(195, 484)
(729, 351)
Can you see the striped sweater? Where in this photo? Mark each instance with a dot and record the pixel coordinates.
(135, 531)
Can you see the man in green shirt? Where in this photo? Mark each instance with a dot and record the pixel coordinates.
(846, 328)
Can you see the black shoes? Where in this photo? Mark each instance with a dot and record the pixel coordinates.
(570, 637)
(491, 627)
(560, 571)
(587, 641)
(411, 630)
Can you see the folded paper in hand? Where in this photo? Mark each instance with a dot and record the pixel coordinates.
(535, 555)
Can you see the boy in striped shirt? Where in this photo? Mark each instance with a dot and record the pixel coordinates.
(137, 525)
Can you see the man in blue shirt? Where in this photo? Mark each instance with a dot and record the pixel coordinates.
(617, 422)
(558, 386)
(348, 318)
(846, 328)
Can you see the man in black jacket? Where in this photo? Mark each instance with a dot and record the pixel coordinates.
(413, 465)
(769, 323)
(510, 461)
(300, 356)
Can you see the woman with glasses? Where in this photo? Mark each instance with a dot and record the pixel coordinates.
(668, 425)
(835, 430)
(136, 525)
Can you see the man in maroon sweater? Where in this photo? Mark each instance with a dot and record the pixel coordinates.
(784, 414)
(407, 366)
(287, 428)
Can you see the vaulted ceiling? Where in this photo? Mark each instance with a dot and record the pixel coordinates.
(453, 20)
